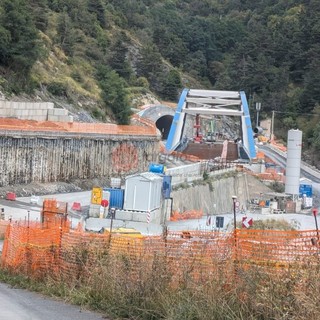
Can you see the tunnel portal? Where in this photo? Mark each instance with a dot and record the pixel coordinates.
(164, 124)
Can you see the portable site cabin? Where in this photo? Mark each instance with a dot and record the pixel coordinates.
(143, 192)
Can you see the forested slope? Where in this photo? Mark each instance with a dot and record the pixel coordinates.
(107, 51)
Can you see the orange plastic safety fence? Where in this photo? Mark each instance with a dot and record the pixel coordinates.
(277, 248)
(189, 214)
(30, 247)
(3, 227)
(199, 254)
(76, 127)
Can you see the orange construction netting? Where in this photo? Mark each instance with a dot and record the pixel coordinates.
(77, 127)
(31, 247)
(189, 214)
(39, 250)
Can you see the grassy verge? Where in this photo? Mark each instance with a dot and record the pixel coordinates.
(116, 287)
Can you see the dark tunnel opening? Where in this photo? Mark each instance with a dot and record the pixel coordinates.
(164, 125)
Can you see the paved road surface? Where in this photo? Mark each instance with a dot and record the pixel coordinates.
(18, 210)
(18, 304)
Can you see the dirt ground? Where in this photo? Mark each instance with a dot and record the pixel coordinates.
(53, 188)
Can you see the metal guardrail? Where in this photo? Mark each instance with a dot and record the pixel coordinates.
(304, 166)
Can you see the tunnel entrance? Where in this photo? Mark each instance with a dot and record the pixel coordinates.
(164, 125)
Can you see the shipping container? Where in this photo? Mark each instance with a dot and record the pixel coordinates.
(116, 197)
(143, 192)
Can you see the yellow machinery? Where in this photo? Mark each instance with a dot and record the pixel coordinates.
(127, 232)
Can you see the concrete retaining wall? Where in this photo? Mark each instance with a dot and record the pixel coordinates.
(27, 157)
(185, 173)
(39, 111)
(214, 199)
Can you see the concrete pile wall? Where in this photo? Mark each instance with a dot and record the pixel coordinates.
(27, 157)
(39, 111)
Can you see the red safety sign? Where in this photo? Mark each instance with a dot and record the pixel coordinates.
(315, 212)
(247, 222)
(104, 203)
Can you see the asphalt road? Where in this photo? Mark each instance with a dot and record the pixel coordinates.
(18, 304)
(21, 207)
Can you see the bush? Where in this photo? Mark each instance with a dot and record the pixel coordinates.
(57, 88)
(277, 186)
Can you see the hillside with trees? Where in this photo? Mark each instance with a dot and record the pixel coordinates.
(99, 54)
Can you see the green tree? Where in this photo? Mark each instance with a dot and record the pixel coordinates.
(118, 59)
(150, 66)
(172, 85)
(66, 33)
(96, 7)
(40, 13)
(315, 140)
(114, 94)
(20, 46)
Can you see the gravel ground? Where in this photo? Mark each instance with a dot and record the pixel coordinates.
(52, 188)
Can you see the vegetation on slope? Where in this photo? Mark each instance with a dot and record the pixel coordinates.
(269, 49)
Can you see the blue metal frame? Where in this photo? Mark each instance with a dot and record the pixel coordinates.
(176, 118)
(245, 119)
(174, 136)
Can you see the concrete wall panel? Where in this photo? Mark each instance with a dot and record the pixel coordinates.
(38, 158)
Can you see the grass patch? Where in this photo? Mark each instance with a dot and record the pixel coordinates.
(116, 287)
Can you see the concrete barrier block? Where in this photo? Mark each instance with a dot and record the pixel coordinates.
(33, 105)
(140, 216)
(53, 118)
(11, 196)
(41, 112)
(18, 112)
(124, 215)
(38, 105)
(9, 112)
(63, 118)
(94, 210)
(39, 118)
(28, 105)
(7, 104)
(76, 206)
(15, 105)
(59, 112)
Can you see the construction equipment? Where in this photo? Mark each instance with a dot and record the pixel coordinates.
(211, 103)
(127, 232)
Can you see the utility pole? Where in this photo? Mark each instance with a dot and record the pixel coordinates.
(272, 124)
(234, 200)
(258, 108)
